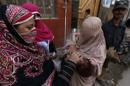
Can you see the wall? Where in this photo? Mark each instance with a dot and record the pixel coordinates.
(93, 5)
(57, 25)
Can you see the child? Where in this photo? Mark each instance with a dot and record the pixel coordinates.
(44, 36)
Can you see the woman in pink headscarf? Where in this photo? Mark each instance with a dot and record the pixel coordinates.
(90, 46)
(44, 34)
(22, 62)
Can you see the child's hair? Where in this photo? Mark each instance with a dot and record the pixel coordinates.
(36, 15)
(87, 11)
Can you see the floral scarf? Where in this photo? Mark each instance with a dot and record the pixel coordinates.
(14, 55)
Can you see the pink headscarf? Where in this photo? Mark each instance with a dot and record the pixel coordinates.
(31, 7)
(43, 32)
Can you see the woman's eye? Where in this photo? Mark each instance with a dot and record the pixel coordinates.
(30, 27)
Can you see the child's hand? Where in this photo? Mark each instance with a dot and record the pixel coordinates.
(74, 57)
(72, 48)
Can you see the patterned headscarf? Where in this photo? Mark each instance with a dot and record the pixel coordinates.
(14, 55)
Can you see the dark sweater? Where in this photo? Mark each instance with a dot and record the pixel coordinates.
(113, 35)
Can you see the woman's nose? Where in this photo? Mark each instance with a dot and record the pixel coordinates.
(34, 28)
